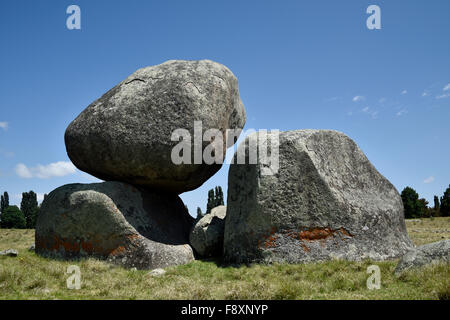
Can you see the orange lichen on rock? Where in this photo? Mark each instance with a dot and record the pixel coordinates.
(305, 247)
(73, 247)
(321, 233)
(312, 234)
(87, 246)
(117, 251)
(269, 240)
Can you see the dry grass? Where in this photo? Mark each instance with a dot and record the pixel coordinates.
(29, 276)
(428, 230)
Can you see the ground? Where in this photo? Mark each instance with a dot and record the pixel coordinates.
(29, 276)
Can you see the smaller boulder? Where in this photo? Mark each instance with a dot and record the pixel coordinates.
(207, 235)
(424, 255)
(157, 272)
(9, 253)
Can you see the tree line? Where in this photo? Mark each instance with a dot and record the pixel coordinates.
(215, 199)
(416, 207)
(13, 217)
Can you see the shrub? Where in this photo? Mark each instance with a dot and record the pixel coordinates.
(13, 218)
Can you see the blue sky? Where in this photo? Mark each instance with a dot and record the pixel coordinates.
(300, 64)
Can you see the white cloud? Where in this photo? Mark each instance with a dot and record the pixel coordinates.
(443, 96)
(404, 91)
(424, 94)
(401, 112)
(56, 169)
(358, 98)
(40, 196)
(447, 87)
(23, 172)
(367, 110)
(4, 125)
(429, 180)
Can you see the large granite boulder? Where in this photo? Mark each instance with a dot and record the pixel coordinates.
(431, 253)
(126, 134)
(117, 222)
(207, 235)
(323, 200)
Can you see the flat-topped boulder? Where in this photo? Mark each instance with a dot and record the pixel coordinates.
(114, 221)
(323, 200)
(126, 135)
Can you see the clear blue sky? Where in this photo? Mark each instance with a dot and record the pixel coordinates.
(300, 64)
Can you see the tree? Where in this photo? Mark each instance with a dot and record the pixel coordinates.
(436, 210)
(411, 204)
(4, 203)
(199, 213)
(13, 218)
(423, 206)
(211, 201)
(29, 207)
(219, 196)
(445, 203)
(215, 198)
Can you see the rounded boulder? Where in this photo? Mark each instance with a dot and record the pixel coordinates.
(128, 134)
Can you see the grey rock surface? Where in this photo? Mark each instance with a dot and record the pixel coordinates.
(126, 134)
(427, 254)
(157, 272)
(9, 253)
(326, 201)
(115, 221)
(207, 235)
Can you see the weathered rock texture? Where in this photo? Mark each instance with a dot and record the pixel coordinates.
(126, 134)
(427, 254)
(207, 235)
(326, 201)
(114, 221)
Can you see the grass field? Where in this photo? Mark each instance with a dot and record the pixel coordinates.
(29, 276)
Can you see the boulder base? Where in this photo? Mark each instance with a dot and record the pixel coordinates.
(114, 221)
(325, 201)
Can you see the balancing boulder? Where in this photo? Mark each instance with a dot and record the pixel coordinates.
(126, 135)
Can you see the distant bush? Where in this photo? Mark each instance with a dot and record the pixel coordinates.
(413, 208)
(13, 218)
